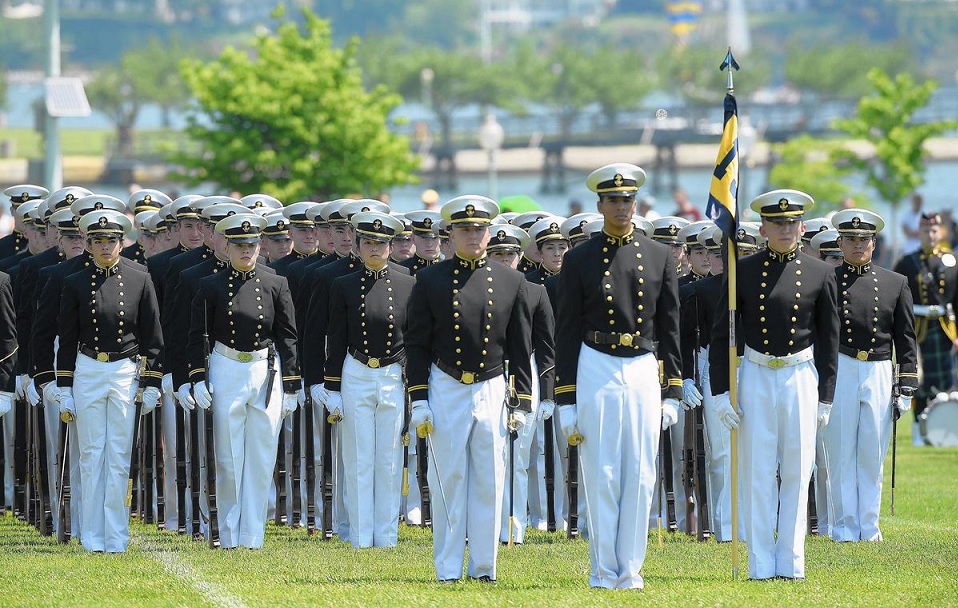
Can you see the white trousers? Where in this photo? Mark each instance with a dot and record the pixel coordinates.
(8, 422)
(856, 440)
(103, 393)
(777, 435)
(167, 412)
(373, 406)
(467, 470)
(619, 416)
(522, 455)
(245, 434)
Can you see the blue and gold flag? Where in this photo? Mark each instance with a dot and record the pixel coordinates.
(722, 207)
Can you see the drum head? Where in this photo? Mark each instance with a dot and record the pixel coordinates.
(939, 423)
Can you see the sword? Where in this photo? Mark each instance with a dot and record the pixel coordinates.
(442, 492)
(895, 415)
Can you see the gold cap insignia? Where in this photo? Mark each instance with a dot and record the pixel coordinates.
(229, 213)
(617, 180)
(856, 222)
(365, 209)
(70, 198)
(102, 221)
(148, 198)
(553, 227)
(427, 222)
(377, 224)
(501, 235)
(246, 226)
(783, 204)
(673, 229)
(24, 197)
(258, 204)
(97, 206)
(470, 210)
(280, 225)
(741, 233)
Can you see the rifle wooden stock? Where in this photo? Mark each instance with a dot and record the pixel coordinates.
(310, 453)
(180, 431)
(159, 468)
(327, 465)
(550, 474)
(572, 485)
(214, 523)
(149, 468)
(668, 480)
(192, 458)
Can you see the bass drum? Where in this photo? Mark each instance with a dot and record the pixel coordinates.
(939, 421)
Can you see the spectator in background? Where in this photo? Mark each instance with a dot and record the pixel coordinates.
(575, 207)
(684, 207)
(429, 199)
(645, 208)
(909, 221)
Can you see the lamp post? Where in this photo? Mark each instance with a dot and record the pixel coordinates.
(53, 161)
(491, 136)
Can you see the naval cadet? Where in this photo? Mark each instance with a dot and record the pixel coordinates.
(303, 232)
(878, 327)
(530, 259)
(666, 230)
(402, 246)
(140, 201)
(618, 310)
(826, 245)
(425, 238)
(466, 317)
(109, 349)
(932, 273)
(262, 203)
(789, 318)
(247, 315)
(276, 242)
(364, 378)
(16, 242)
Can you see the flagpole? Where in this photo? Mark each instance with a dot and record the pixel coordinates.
(730, 270)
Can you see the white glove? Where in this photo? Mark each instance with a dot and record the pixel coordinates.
(824, 411)
(546, 409)
(334, 403)
(151, 397)
(319, 394)
(203, 395)
(185, 398)
(517, 420)
(301, 397)
(33, 397)
(167, 385)
(66, 402)
(51, 392)
(691, 397)
(19, 385)
(290, 403)
(420, 418)
(670, 412)
(723, 409)
(903, 404)
(568, 418)
(6, 402)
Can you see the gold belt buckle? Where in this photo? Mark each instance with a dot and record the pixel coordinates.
(373, 362)
(776, 363)
(468, 378)
(862, 355)
(244, 357)
(625, 339)
(102, 357)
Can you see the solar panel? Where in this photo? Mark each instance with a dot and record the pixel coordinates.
(65, 97)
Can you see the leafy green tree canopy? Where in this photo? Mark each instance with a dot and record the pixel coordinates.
(810, 165)
(840, 70)
(292, 119)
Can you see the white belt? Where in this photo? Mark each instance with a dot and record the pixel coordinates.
(240, 355)
(775, 362)
(932, 311)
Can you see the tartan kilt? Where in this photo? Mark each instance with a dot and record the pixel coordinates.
(936, 361)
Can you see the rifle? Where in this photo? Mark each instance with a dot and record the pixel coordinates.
(297, 470)
(665, 445)
(44, 513)
(310, 465)
(148, 456)
(214, 523)
(405, 440)
(180, 432)
(138, 408)
(193, 457)
(688, 471)
(698, 447)
(63, 501)
(512, 402)
(425, 495)
(812, 507)
(895, 415)
(572, 485)
(549, 432)
(327, 465)
(159, 469)
(20, 457)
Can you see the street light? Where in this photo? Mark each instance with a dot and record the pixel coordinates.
(491, 136)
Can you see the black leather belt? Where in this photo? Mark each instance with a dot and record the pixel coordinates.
(627, 340)
(864, 355)
(469, 377)
(375, 362)
(105, 357)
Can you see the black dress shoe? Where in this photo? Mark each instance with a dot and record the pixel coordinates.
(483, 579)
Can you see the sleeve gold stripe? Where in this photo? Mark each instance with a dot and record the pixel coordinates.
(199, 370)
(334, 378)
(569, 388)
(418, 387)
(291, 377)
(64, 374)
(525, 396)
(675, 382)
(547, 370)
(13, 352)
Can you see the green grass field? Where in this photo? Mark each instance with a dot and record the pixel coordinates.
(917, 564)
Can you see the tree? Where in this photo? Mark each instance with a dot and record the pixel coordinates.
(887, 121)
(811, 165)
(149, 74)
(693, 73)
(292, 119)
(836, 70)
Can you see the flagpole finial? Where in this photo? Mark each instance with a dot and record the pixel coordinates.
(729, 64)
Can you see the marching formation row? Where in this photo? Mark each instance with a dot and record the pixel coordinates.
(339, 366)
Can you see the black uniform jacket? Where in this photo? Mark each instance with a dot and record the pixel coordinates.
(621, 287)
